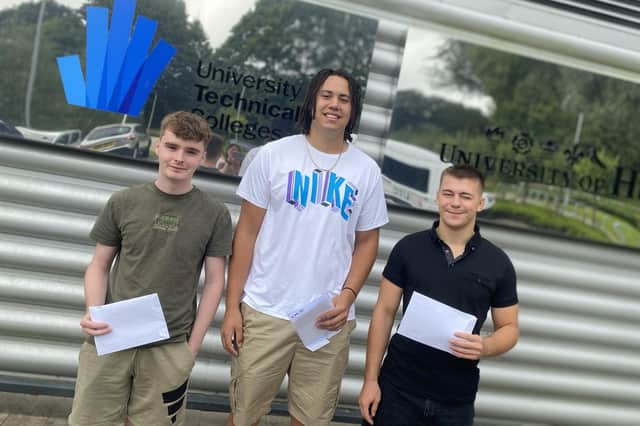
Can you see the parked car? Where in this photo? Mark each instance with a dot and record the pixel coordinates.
(58, 137)
(128, 139)
(8, 129)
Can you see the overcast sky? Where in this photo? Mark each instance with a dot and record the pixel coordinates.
(419, 67)
(217, 16)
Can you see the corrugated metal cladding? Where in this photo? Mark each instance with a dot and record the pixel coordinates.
(620, 12)
(576, 363)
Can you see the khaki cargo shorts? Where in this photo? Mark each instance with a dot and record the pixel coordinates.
(146, 385)
(272, 349)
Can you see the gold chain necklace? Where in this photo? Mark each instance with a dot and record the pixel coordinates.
(307, 143)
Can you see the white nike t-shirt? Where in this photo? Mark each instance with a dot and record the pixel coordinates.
(306, 240)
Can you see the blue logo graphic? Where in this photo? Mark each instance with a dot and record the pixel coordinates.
(120, 72)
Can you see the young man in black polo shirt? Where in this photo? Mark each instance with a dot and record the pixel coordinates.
(451, 263)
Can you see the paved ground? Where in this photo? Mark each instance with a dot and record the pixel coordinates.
(44, 410)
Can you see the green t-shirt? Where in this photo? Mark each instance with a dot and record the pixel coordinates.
(162, 240)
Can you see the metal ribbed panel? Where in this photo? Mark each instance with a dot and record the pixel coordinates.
(522, 27)
(625, 13)
(33, 221)
(375, 120)
(31, 287)
(47, 256)
(384, 70)
(579, 302)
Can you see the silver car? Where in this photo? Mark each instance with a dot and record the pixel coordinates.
(57, 137)
(124, 139)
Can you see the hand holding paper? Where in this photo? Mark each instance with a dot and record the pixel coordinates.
(467, 345)
(304, 321)
(94, 328)
(434, 323)
(134, 322)
(335, 317)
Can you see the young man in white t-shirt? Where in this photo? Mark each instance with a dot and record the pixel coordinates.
(309, 223)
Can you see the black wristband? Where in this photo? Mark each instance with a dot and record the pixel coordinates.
(355, 295)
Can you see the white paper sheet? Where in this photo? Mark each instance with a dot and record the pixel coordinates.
(304, 321)
(433, 323)
(134, 322)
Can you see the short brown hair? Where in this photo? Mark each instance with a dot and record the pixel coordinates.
(187, 126)
(464, 171)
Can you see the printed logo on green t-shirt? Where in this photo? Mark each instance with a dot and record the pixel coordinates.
(166, 222)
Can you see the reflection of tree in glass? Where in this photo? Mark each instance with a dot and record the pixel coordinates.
(188, 37)
(545, 99)
(431, 122)
(287, 41)
(412, 110)
(62, 34)
(280, 40)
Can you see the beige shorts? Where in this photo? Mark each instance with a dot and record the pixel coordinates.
(146, 385)
(271, 349)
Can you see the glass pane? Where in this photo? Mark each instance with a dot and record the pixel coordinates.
(242, 65)
(557, 144)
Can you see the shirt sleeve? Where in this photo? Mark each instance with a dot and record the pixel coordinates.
(106, 230)
(220, 240)
(255, 184)
(506, 293)
(374, 209)
(394, 270)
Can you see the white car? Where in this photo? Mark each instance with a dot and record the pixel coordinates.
(127, 139)
(58, 137)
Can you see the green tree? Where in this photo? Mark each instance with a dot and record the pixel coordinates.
(414, 111)
(62, 34)
(545, 99)
(293, 39)
(287, 41)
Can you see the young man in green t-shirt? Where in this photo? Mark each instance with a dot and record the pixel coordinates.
(159, 235)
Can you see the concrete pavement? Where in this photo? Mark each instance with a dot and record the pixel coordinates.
(17, 409)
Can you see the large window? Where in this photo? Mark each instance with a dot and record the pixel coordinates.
(242, 65)
(558, 145)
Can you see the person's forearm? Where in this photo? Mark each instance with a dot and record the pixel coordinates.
(364, 256)
(379, 332)
(501, 340)
(239, 265)
(95, 285)
(207, 308)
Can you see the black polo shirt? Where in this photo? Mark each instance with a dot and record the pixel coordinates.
(480, 278)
